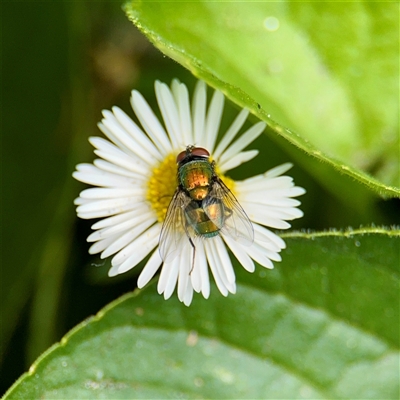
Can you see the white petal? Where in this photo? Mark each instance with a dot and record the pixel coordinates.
(116, 219)
(102, 178)
(123, 161)
(143, 248)
(262, 197)
(139, 140)
(110, 193)
(199, 111)
(278, 193)
(90, 215)
(230, 133)
(181, 96)
(164, 275)
(108, 147)
(187, 299)
(263, 218)
(297, 191)
(205, 279)
(106, 212)
(224, 260)
(107, 129)
(128, 241)
(137, 250)
(265, 235)
(199, 276)
(85, 168)
(150, 123)
(258, 255)
(110, 205)
(289, 192)
(151, 236)
(97, 176)
(273, 256)
(113, 271)
(79, 201)
(185, 266)
(121, 227)
(132, 146)
(261, 183)
(268, 239)
(240, 254)
(195, 276)
(213, 120)
(134, 177)
(237, 160)
(284, 213)
(169, 112)
(278, 170)
(171, 277)
(249, 136)
(149, 270)
(215, 267)
(99, 246)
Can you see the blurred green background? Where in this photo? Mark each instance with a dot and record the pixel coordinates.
(62, 63)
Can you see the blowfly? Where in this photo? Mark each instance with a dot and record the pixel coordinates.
(202, 206)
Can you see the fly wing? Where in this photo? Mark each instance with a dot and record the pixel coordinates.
(235, 222)
(172, 231)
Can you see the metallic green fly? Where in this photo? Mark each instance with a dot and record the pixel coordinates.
(202, 206)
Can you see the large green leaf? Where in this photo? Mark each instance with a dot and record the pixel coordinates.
(35, 155)
(328, 72)
(47, 117)
(323, 324)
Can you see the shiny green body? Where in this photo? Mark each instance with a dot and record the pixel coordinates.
(195, 178)
(204, 215)
(199, 220)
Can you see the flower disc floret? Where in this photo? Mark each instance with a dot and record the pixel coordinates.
(162, 185)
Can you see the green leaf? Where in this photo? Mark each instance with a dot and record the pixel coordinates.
(35, 153)
(322, 324)
(47, 113)
(327, 72)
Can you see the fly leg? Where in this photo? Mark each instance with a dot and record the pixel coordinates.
(192, 244)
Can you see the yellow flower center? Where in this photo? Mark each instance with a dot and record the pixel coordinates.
(163, 184)
(229, 183)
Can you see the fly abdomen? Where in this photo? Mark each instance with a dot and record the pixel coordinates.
(197, 218)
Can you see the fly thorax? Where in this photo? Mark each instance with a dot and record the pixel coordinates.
(195, 177)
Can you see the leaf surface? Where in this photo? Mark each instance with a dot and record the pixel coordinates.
(328, 73)
(322, 324)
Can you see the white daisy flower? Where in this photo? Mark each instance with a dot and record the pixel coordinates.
(136, 178)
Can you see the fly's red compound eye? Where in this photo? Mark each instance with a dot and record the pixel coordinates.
(192, 151)
(181, 156)
(200, 152)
